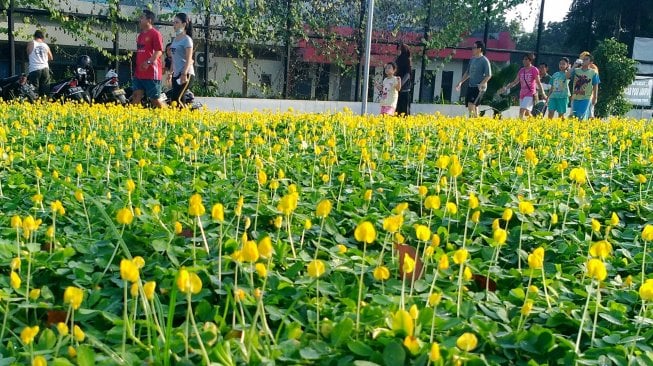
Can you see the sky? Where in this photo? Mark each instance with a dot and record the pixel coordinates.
(554, 11)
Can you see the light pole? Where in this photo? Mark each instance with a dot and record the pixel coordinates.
(540, 26)
(368, 51)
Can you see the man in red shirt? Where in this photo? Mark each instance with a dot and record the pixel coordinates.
(148, 68)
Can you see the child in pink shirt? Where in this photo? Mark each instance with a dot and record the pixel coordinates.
(529, 79)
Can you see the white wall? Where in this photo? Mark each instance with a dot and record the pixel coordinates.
(258, 67)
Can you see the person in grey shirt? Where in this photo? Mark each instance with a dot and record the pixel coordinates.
(478, 73)
(182, 57)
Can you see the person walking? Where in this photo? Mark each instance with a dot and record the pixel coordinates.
(585, 81)
(182, 57)
(39, 54)
(478, 73)
(528, 78)
(559, 92)
(404, 71)
(389, 89)
(148, 69)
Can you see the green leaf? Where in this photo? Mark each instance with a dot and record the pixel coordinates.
(359, 348)
(394, 354)
(341, 332)
(85, 356)
(59, 361)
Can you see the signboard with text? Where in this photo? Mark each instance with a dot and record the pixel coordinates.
(639, 92)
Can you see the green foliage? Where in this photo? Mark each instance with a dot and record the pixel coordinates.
(617, 71)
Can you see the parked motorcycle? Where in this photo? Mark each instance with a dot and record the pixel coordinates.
(69, 90)
(106, 91)
(17, 88)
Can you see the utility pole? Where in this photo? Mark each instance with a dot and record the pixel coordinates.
(207, 36)
(286, 66)
(368, 52)
(10, 38)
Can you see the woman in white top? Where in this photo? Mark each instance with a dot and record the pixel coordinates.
(39, 54)
(182, 57)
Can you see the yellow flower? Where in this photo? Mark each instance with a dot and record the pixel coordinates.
(278, 221)
(365, 232)
(526, 208)
(422, 191)
(554, 218)
(409, 264)
(473, 201)
(124, 216)
(596, 225)
(435, 240)
(15, 280)
(614, 219)
(422, 232)
(323, 209)
(57, 207)
(261, 271)
(178, 227)
(442, 162)
(399, 239)
(596, 269)
(507, 214)
(262, 177)
(527, 307)
(265, 247)
(412, 344)
(288, 203)
(139, 261)
(519, 170)
(647, 233)
(434, 353)
(148, 288)
(500, 236)
(536, 259)
(467, 342)
(601, 249)
(195, 206)
(435, 298)
(217, 212)
(460, 256)
(34, 293)
(532, 289)
(341, 249)
(641, 179)
(79, 195)
(646, 290)
(368, 195)
(72, 352)
(189, 282)
(62, 328)
(455, 169)
(130, 186)
(316, 268)
(78, 334)
(402, 323)
(400, 208)
(467, 274)
(128, 270)
(73, 296)
(134, 290)
(432, 202)
(39, 361)
(16, 222)
(381, 273)
(428, 251)
(443, 263)
(530, 156)
(578, 175)
(476, 216)
(15, 264)
(28, 334)
(393, 223)
(308, 224)
(250, 251)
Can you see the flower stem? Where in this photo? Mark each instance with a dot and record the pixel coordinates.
(360, 290)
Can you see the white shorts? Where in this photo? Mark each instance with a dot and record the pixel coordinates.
(526, 103)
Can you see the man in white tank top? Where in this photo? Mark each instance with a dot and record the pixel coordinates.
(39, 54)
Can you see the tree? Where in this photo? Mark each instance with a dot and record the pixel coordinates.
(590, 21)
(617, 71)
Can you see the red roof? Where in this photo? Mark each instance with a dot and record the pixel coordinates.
(342, 47)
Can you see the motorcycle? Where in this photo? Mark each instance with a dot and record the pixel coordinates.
(107, 90)
(69, 90)
(17, 88)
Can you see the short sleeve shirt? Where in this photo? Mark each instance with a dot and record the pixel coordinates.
(527, 77)
(584, 81)
(559, 86)
(147, 43)
(178, 49)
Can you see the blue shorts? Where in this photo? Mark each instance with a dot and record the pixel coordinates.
(581, 108)
(152, 88)
(558, 105)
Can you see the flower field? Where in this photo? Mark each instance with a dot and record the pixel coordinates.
(133, 236)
